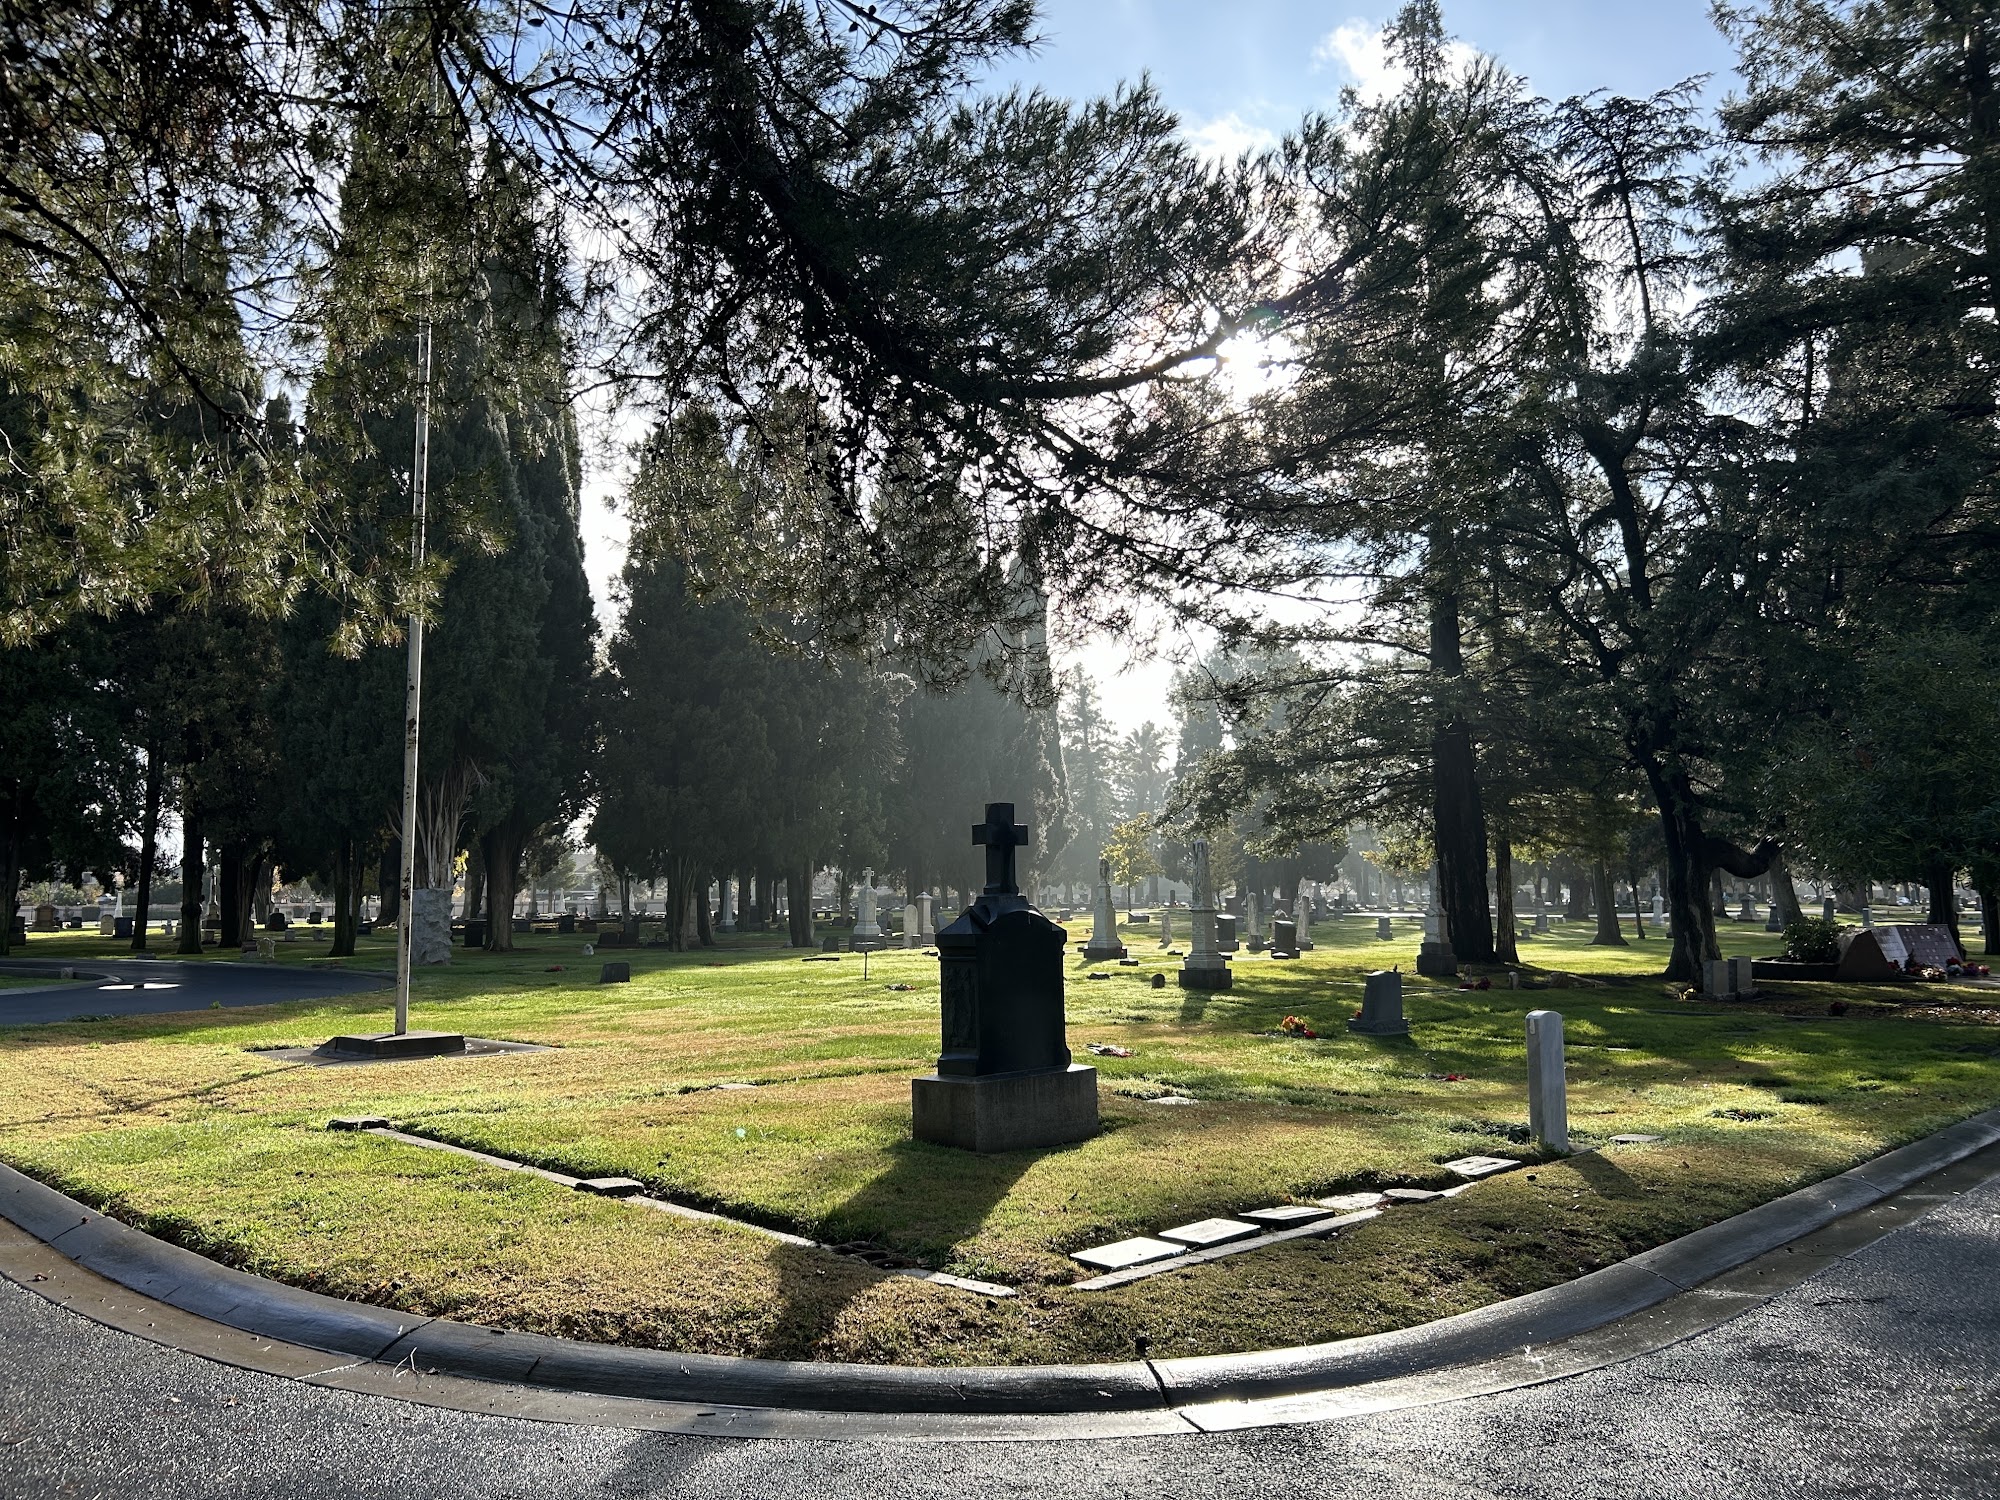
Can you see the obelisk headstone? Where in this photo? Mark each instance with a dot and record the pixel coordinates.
(1253, 931)
(1204, 967)
(1004, 1079)
(867, 929)
(1103, 942)
(1434, 955)
(926, 923)
(1302, 914)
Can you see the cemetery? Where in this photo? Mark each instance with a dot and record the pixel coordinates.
(1235, 1185)
(926, 686)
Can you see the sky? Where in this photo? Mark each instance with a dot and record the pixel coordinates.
(1241, 73)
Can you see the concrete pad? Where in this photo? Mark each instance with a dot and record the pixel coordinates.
(1137, 1251)
(1288, 1213)
(1209, 1232)
(1411, 1195)
(1350, 1203)
(1481, 1166)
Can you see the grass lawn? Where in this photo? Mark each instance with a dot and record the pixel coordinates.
(184, 1125)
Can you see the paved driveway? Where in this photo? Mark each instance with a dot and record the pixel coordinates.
(153, 986)
(1878, 1377)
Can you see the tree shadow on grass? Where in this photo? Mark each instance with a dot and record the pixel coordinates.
(1604, 1175)
(929, 1200)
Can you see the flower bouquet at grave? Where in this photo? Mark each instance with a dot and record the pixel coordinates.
(1298, 1026)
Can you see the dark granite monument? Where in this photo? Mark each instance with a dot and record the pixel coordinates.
(1004, 1081)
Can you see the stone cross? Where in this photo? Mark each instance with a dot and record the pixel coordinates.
(1002, 836)
(1548, 1095)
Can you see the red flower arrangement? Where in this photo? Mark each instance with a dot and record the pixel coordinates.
(1299, 1026)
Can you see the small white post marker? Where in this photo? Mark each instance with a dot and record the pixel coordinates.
(1548, 1097)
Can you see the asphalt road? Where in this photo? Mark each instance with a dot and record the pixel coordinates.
(1878, 1377)
(152, 986)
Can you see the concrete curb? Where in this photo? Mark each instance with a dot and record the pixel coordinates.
(194, 1284)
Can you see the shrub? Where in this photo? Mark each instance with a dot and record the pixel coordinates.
(1812, 940)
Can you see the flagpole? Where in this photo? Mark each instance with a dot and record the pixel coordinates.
(414, 683)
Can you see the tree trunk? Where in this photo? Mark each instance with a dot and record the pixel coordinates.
(1783, 896)
(10, 860)
(704, 932)
(1459, 817)
(149, 848)
(255, 878)
(501, 847)
(1609, 934)
(475, 881)
(799, 887)
(389, 876)
(189, 940)
(1989, 917)
(1576, 901)
(1940, 877)
(1505, 945)
(1687, 876)
(229, 895)
(345, 879)
(1718, 899)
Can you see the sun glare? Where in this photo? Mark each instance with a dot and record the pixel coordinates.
(1254, 364)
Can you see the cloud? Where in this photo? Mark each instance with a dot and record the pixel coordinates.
(1228, 137)
(1356, 48)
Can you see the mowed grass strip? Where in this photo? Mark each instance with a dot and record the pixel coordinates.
(187, 1126)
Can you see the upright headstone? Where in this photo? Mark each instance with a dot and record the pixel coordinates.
(1381, 1006)
(726, 920)
(1284, 938)
(1718, 979)
(1302, 916)
(1827, 911)
(1103, 942)
(1384, 930)
(1659, 912)
(1004, 1079)
(1434, 955)
(1225, 932)
(1742, 979)
(867, 930)
(911, 926)
(1867, 917)
(926, 926)
(1166, 926)
(1253, 928)
(1775, 921)
(1548, 1095)
(430, 926)
(1748, 913)
(1204, 967)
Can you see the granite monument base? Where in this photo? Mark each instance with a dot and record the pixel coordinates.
(1100, 955)
(1006, 1112)
(1437, 961)
(1206, 979)
(397, 1044)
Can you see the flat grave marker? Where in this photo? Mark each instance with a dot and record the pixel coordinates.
(1204, 1232)
(1137, 1251)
